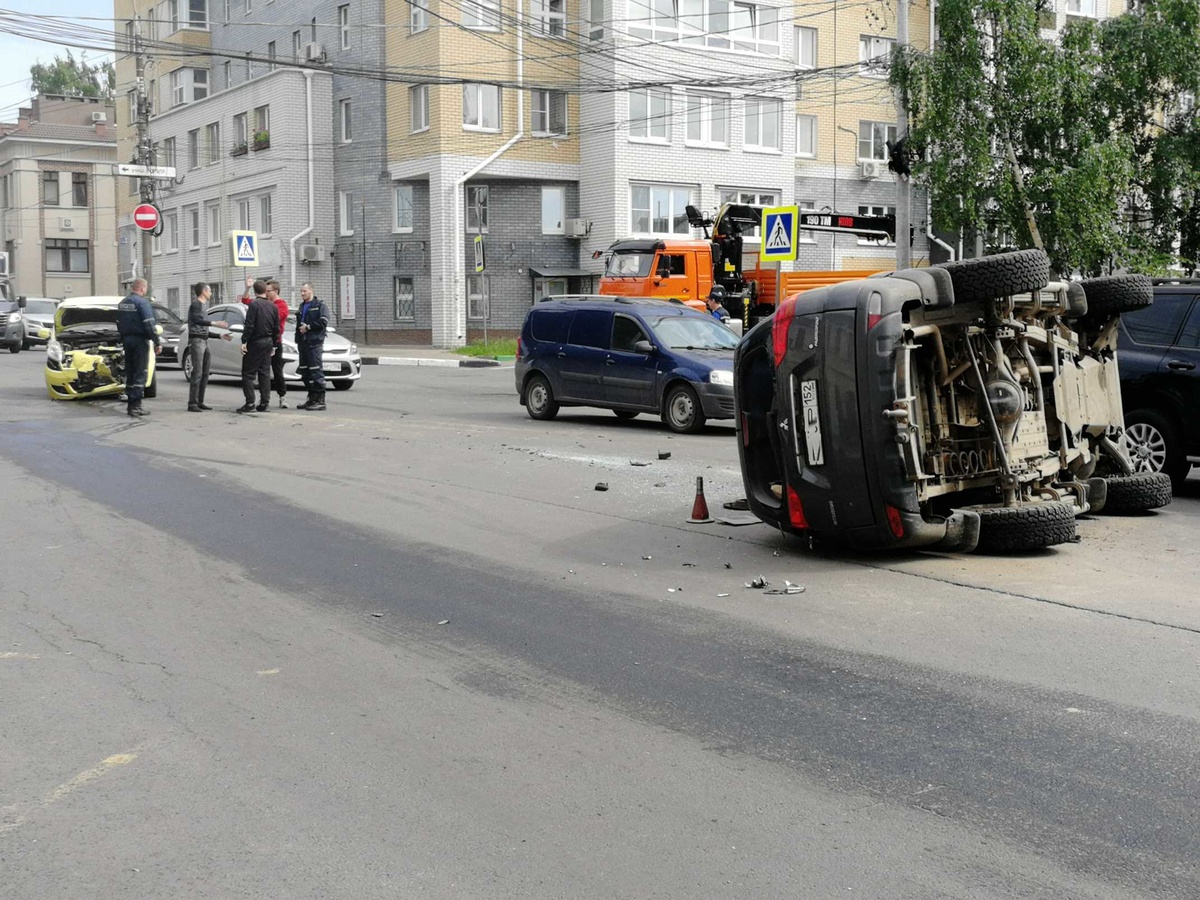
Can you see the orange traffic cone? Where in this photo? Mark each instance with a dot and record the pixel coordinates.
(700, 514)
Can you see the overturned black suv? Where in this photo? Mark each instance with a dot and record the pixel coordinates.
(974, 404)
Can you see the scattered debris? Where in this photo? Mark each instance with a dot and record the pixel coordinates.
(700, 514)
(740, 505)
(660, 484)
(602, 485)
(689, 565)
(757, 583)
(774, 552)
(647, 557)
(377, 615)
(444, 622)
(664, 454)
(788, 588)
(737, 521)
(638, 462)
(729, 565)
(722, 595)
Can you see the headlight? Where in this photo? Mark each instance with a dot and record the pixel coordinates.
(720, 376)
(15, 317)
(353, 349)
(54, 351)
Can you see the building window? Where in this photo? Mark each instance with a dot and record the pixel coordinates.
(156, 243)
(418, 15)
(248, 7)
(418, 98)
(804, 235)
(171, 231)
(198, 13)
(873, 138)
(481, 14)
(343, 14)
(132, 97)
(549, 17)
(750, 198)
(194, 149)
(478, 297)
(481, 107)
(405, 307)
(265, 226)
(554, 209)
(240, 136)
(297, 46)
(875, 55)
(549, 113)
(345, 213)
(403, 202)
(707, 120)
(345, 120)
(199, 84)
(659, 208)
(167, 158)
(214, 224)
(193, 219)
(806, 136)
(228, 3)
(763, 124)
(227, 68)
(212, 143)
(1081, 8)
(595, 19)
(876, 211)
(79, 189)
(477, 208)
(243, 213)
(67, 256)
(649, 115)
(271, 56)
(806, 48)
(188, 85)
(171, 14)
(712, 23)
(50, 189)
(262, 120)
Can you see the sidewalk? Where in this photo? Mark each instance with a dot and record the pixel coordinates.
(402, 355)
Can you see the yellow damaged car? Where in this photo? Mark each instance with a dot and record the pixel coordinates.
(84, 355)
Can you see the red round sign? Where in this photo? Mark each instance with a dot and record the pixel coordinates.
(146, 217)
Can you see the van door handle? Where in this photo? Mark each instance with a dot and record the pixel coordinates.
(1180, 365)
(610, 361)
(562, 354)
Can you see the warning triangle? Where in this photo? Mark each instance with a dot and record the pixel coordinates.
(780, 237)
(245, 250)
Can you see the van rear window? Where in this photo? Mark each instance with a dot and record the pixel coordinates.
(551, 325)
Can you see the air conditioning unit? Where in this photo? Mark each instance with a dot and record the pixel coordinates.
(870, 168)
(312, 253)
(99, 117)
(575, 228)
(66, 223)
(313, 51)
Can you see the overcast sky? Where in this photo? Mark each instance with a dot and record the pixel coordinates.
(18, 54)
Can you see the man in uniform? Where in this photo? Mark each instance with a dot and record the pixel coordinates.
(138, 329)
(258, 342)
(311, 324)
(715, 304)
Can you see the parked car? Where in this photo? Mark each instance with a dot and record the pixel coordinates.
(631, 355)
(1160, 380)
(84, 355)
(38, 316)
(12, 324)
(174, 333)
(342, 362)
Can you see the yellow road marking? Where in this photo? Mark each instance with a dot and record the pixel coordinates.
(267, 672)
(83, 778)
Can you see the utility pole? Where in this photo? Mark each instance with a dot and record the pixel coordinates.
(903, 187)
(144, 152)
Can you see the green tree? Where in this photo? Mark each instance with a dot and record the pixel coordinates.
(74, 77)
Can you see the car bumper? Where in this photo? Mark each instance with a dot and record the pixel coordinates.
(716, 400)
(341, 367)
(33, 330)
(14, 334)
(86, 376)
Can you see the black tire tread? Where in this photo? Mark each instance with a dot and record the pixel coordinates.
(1139, 492)
(1030, 526)
(1116, 294)
(987, 278)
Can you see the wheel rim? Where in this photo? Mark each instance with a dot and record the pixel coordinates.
(1147, 447)
(538, 397)
(187, 366)
(681, 409)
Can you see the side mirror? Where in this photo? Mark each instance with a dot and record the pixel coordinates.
(663, 273)
(20, 302)
(237, 328)
(643, 347)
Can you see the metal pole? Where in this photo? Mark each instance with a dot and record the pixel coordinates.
(142, 109)
(366, 305)
(903, 188)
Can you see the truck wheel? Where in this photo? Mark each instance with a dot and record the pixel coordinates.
(1117, 294)
(1138, 492)
(1153, 445)
(681, 410)
(539, 399)
(1030, 526)
(992, 277)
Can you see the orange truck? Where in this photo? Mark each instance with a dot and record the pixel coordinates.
(686, 269)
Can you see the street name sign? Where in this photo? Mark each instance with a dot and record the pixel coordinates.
(146, 171)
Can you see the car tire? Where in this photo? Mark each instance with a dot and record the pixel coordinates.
(186, 364)
(625, 413)
(342, 384)
(1031, 526)
(681, 411)
(14, 348)
(992, 277)
(539, 399)
(151, 390)
(1153, 445)
(1136, 493)
(1117, 294)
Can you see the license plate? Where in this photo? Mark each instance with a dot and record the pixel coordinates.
(332, 367)
(810, 412)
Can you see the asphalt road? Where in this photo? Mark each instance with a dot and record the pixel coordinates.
(404, 649)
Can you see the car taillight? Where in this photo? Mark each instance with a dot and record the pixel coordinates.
(780, 325)
(796, 510)
(874, 309)
(894, 520)
(520, 348)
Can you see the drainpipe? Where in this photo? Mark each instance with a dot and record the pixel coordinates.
(460, 288)
(312, 202)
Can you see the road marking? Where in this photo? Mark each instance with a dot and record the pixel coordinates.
(9, 654)
(120, 759)
(267, 672)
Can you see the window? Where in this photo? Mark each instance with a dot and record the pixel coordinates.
(67, 256)
(248, 7)
(249, 67)
(345, 213)
(404, 307)
(763, 124)
(1190, 338)
(873, 138)
(595, 19)
(199, 83)
(876, 211)
(344, 27)
(344, 120)
(212, 143)
(1158, 325)
(152, 99)
(804, 235)
(402, 195)
(712, 23)
(659, 209)
(418, 15)
(262, 120)
(481, 107)
(478, 299)
(418, 98)
(752, 198)
(707, 120)
(240, 137)
(132, 95)
(265, 225)
(477, 208)
(297, 46)
(188, 85)
(649, 115)
(213, 214)
(806, 136)
(806, 48)
(481, 14)
(243, 214)
(554, 209)
(875, 55)
(173, 298)
(626, 333)
(171, 14)
(194, 149)
(1081, 8)
(591, 328)
(50, 188)
(198, 13)
(171, 232)
(193, 220)
(156, 244)
(549, 112)
(228, 3)
(79, 189)
(271, 56)
(167, 156)
(755, 29)
(549, 17)
(227, 68)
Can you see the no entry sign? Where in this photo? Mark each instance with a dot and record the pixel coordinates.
(146, 217)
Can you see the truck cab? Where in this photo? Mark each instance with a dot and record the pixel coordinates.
(667, 269)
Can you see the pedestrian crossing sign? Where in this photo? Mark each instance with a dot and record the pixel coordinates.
(779, 233)
(245, 247)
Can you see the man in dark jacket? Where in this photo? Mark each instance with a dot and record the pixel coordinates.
(311, 324)
(197, 347)
(138, 330)
(258, 341)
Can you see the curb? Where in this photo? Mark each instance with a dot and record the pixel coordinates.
(468, 363)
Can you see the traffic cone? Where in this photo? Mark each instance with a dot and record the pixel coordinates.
(700, 514)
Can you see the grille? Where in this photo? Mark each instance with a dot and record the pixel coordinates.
(3, 319)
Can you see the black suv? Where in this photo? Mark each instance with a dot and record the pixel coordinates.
(1160, 379)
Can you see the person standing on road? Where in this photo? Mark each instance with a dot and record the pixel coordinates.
(311, 324)
(137, 326)
(198, 346)
(277, 382)
(258, 341)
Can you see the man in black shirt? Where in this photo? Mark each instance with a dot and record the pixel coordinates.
(197, 347)
(258, 342)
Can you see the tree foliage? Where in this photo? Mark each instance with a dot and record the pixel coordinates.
(73, 77)
(1077, 146)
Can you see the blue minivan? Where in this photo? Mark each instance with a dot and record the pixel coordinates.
(627, 354)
